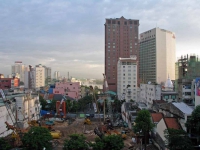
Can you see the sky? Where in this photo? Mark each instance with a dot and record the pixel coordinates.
(68, 35)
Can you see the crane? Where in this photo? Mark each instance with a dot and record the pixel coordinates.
(109, 100)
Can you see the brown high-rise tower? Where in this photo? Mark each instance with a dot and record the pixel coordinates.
(121, 40)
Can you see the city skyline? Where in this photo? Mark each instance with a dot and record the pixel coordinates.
(68, 36)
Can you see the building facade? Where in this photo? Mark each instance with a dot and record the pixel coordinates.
(127, 79)
(7, 83)
(39, 76)
(187, 71)
(71, 89)
(56, 75)
(47, 75)
(157, 56)
(150, 92)
(121, 40)
(18, 69)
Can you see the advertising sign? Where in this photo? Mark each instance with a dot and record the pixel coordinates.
(197, 81)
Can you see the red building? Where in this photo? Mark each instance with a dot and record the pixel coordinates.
(7, 83)
(121, 40)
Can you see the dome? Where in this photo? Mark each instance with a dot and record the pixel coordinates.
(168, 83)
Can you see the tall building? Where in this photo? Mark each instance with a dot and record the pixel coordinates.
(127, 79)
(37, 77)
(121, 40)
(157, 56)
(187, 69)
(18, 69)
(56, 75)
(47, 75)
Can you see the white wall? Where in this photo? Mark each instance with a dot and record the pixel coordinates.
(4, 116)
(161, 126)
(127, 75)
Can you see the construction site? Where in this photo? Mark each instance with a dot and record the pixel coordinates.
(23, 111)
(60, 129)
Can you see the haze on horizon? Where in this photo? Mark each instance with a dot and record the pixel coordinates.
(68, 36)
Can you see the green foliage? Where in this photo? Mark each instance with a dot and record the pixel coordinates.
(177, 140)
(143, 122)
(42, 102)
(193, 122)
(37, 138)
(21, 83)
(117, 105)
(52, 105)
(4, 145)
(76, 142)
(111, 142)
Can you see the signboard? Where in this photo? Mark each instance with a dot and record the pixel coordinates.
(2, 94)
(197, 81)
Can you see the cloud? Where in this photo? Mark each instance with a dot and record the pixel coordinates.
(69, 36)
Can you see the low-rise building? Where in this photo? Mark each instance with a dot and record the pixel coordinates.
(150, 92)
(7, 83)
(71, 89)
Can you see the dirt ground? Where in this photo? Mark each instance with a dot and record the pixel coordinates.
(87, 130)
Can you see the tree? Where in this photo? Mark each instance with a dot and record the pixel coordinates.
(52, 105)
(193, 123)
(177, 140)
(42, 102)
(4, 145)
(76, 142)
(37, 138)
(21, 83)
(111, 142)
(143, 124)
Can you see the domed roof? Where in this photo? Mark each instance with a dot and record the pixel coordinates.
(168, 83)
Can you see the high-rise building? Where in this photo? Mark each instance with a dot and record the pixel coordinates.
(18, 69)
(157, 56)
(47, 75)
(56, 75)
(127, 79)
(121, 40)
(39, 76)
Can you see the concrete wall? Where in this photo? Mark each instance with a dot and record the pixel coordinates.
(161, 126)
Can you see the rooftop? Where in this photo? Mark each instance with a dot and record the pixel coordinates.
(172, 123)
(183, 107)
(156, 117)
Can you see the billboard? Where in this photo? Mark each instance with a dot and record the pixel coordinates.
(197, 82)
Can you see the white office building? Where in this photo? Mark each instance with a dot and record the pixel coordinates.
(157, 56)
(127, 79)
(18, 70)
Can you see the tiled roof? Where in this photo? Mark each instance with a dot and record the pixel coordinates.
(156, 116)
(172, 123)
(50, 96)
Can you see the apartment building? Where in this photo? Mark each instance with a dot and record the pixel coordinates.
(18, 69)
(127, 79)
(121, 40)
(71, 89)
